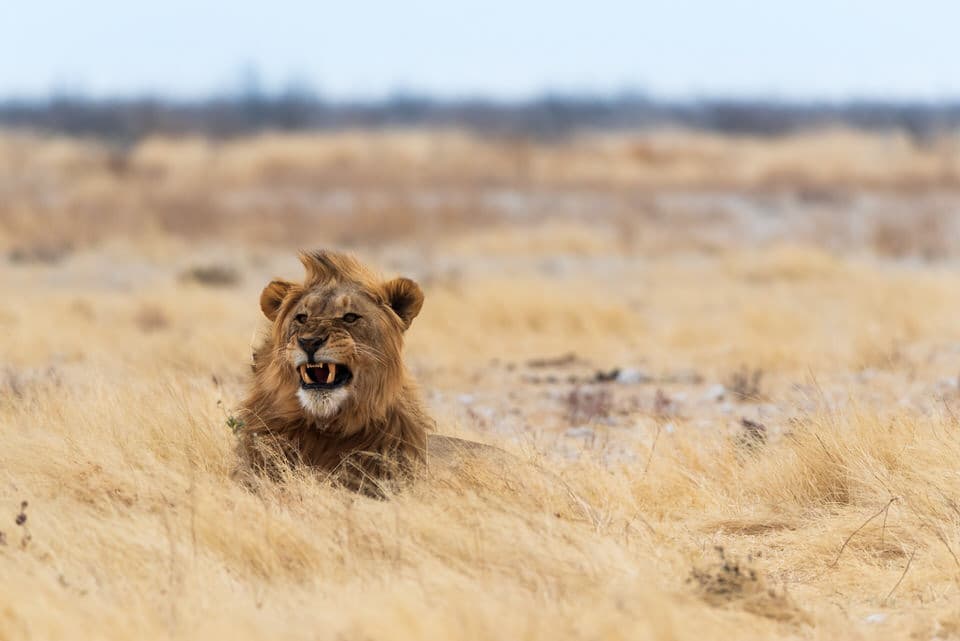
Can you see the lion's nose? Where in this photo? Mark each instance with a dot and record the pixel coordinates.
(312, 344)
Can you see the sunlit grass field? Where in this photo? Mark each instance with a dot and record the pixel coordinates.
(728, 371)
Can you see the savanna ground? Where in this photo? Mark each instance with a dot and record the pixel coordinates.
(736, 359)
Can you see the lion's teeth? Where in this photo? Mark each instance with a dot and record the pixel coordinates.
(332, 373)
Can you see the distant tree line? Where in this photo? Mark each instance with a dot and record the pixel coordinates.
(552, 116)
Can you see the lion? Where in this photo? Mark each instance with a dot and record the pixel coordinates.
(330, 389)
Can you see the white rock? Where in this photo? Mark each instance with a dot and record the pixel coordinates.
(632, 375)
(715, 393)
(946, 385)
(878, 617)
(485, 412)
(867, 374)
(579, 432)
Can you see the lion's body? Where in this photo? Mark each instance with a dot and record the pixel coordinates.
(394, 440)
(449, 451)
(369, 428)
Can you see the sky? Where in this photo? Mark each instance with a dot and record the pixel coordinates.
(495, 49)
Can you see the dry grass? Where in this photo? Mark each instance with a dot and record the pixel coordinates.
(658, 191)
(135, 529)
(658, 518)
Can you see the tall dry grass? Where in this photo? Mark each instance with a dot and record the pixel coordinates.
(846, 528)
(115, 434)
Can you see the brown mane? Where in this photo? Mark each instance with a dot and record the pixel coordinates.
(380, 429)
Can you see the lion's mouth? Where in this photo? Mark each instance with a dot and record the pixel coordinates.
(324, 375)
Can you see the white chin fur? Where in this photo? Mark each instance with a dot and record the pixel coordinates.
(322, 404)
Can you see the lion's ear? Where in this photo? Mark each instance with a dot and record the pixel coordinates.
(272, 297)
(405, 298)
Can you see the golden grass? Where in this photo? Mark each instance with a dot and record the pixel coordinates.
(135, 529)
(118, 376)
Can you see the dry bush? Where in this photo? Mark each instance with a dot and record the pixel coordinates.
(42, 252)
(925, 234)
(745, 384)
(588, 404)
(211, 275)
(151, 318)
(729, 581)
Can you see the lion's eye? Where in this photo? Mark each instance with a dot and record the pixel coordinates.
(300, 318)
(350, 318)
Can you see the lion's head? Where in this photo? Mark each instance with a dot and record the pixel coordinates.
(333, 349)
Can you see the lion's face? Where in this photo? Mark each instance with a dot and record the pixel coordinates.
(337, 338)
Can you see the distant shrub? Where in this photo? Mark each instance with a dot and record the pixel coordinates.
(150, 318)
(744, 384)
(211, 275)
(40, 253)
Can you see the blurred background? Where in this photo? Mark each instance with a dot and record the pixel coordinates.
(305, 123)
(701, 195)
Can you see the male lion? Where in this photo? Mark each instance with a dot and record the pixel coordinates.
(330, 389)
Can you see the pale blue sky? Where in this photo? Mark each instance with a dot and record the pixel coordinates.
(493, 48)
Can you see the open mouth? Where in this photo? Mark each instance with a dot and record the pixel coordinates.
(324, 375)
